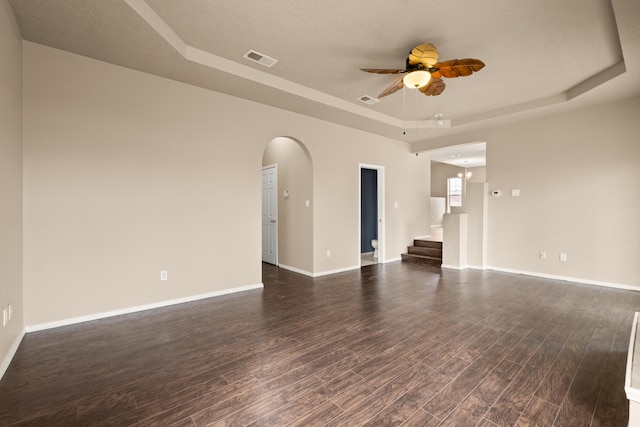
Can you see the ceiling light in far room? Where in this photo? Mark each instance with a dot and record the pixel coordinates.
(439, 121)
(466, 175)
(416, 79)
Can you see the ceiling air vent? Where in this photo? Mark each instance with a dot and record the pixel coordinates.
(368, 99)
(261, 59)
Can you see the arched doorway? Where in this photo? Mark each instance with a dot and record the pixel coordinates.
(289, 161)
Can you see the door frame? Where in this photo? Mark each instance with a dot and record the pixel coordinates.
(381, 210)
(275, 168)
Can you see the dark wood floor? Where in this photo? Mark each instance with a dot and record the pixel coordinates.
(395, 344)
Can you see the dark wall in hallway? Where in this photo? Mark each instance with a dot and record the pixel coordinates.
(368, 208)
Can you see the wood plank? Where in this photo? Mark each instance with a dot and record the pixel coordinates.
(580, 402)
(538, 413)
(478, 347)
(514, 400)
(382, 397)
(462, 385)
(403, 408)
(187, 422)
(486, 423)
(223, 401)
(259, 407)
(478, 402)
(356, 394)
(451, 348)
(608, 411)
(556, 383)
(420, 418)
(390, 343)
(181, 390)
(303, 407)
(318, 416)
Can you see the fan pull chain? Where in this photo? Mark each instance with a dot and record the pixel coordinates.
(416, 104)
(404, 110)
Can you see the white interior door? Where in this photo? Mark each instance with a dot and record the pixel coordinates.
(270, 215)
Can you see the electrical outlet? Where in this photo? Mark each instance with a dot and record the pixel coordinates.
(164, 275)
(328, 253)
(9, 311)
(543, 255)
(563, 257)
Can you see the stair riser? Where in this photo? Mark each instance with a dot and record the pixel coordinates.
(427, 244)
(433, 252)
(416, 260)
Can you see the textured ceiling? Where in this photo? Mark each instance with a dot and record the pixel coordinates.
(469, 155)
(538, 55)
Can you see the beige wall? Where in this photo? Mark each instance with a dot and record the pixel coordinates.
(440, 172)
(578, 174)
(127, 174)
(477, 201)
(295, 219)
(479, 174)
(10, 181)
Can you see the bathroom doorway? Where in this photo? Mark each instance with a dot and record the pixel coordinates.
(371, 207)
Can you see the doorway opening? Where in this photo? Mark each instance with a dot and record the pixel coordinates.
(371, 214)
(287, 205)
(270, 214)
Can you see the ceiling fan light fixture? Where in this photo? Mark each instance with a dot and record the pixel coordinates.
(416, 79)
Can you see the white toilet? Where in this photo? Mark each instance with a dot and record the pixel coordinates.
(374, 244)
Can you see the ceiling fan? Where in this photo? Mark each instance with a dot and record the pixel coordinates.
(424, 72)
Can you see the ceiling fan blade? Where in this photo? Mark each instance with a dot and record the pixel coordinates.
(393, 88)
(383, 70)
(434, 88)
(425, 54)
(459, 67)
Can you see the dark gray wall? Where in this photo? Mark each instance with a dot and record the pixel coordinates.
(368, 208)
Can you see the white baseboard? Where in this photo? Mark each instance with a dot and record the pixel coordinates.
(103, 315)
(567, 279)
(632, 393)
(453, 267)
(12, 352)
(481, 268)
(296, 270)
(340, 270)
(328, 272)
(547, 276)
